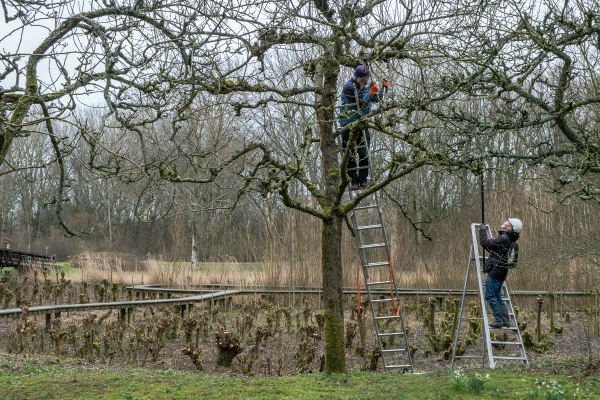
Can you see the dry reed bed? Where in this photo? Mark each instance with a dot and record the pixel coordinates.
(559, 251)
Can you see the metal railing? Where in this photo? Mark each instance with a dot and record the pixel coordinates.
(225, 293)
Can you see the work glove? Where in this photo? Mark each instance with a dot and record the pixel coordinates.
(374, 89)
(386, 84)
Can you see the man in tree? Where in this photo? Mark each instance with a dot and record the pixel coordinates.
(494, 267)
(358, 88)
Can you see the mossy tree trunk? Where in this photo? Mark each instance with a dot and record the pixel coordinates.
(335, 353)
(327, 71)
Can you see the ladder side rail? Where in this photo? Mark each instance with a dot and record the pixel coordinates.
(488, 338)
(366, 277)
(361, 253)
(482, 289)
(370, 166)
(359, 235)
(462, 302)
(487, 341)
(359, 242)
(475, 247)
(384, 229)
(407, 346)
(513, 317)
(387, 245)
(375, 323)
(394, 293)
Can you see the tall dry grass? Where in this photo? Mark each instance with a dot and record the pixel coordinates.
(181, 274)
(94, 267)
(559, 251)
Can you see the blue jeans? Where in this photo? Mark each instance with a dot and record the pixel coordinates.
(361, 175)
(493, 291)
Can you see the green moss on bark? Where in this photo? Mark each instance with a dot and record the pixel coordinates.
(335, 352)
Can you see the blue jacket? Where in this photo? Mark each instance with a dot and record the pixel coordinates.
(349, 113)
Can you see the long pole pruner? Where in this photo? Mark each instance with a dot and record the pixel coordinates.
(479, 111)
(482, 209)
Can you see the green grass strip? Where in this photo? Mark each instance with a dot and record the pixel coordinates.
(55, 382)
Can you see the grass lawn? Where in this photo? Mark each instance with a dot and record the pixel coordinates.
(66, 266)
(62, 266)
(31, 381)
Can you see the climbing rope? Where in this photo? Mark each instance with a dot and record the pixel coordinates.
(396, 312)
(358, 286)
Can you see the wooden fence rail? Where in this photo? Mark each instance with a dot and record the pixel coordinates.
(224, 297)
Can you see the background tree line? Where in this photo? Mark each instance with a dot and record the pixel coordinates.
(560, 245)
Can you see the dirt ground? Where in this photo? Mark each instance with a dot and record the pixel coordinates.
(276, 353)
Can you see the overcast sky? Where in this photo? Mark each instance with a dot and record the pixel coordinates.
(15, 40)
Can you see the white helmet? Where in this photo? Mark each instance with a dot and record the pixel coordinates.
(516, 224)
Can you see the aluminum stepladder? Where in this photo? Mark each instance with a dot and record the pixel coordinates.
(375, 257)
(487, 342)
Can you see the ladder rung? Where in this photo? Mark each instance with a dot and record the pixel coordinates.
(357, 168)
(493, 342)
(382, 300)
(392, 334)
(389, 317)
(398, 366)
(362, 228)
(476, 319)
(509, 358)
(364, 207)
(378, 283)
(378, 264)
(390, 350)
(480, 357)
(372, 246)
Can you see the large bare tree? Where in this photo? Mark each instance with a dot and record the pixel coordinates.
(463, 73)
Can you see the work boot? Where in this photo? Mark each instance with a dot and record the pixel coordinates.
(354, 186)
(505, 317)
(498, 323)
(364, 185)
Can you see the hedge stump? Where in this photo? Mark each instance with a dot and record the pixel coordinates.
(228, 346)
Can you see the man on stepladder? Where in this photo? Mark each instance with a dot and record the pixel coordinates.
(496, 267)
(358, 86)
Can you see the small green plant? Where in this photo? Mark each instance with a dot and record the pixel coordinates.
(555, 391)
(495, 391)
(477, 382)
(577, 395)
(459, 380)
